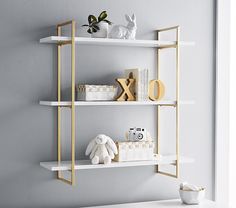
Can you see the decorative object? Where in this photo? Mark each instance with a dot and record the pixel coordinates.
(126, 85)
(191, 194)
(160, 90)
(96, 92)
(134, 151)
(98, 27)
(140, 89)
(101, 149)
(125, 32)
(185, 186)
(137, 134)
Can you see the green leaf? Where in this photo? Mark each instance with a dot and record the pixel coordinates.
(89, 31)
(93, 23)
(91, 19)
(102, 16)
(85, 25)
(94, 30)
(95, 27)
(109, 22)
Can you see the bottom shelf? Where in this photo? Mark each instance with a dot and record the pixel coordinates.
(86, 164)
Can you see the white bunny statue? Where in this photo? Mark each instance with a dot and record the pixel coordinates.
(102, 149)
(125, 32)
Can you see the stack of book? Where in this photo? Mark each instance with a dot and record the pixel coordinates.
(140, 89)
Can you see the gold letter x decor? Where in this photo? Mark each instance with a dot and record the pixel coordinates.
(125, 85)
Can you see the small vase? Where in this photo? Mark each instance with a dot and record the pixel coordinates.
(103, 32)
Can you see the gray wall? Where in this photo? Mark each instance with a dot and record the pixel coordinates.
(28, 74)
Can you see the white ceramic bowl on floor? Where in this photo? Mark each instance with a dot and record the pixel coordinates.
(192, 197)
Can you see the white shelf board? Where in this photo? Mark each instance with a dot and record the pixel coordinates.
(113, 42)
(86, 164)
(112, 103)
(174, 203)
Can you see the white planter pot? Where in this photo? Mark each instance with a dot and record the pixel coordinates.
(103, 32)
(192, 197)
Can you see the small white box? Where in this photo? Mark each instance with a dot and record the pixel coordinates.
(134, 151)
(96, 92)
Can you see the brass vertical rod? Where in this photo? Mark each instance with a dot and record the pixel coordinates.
(73, 102)
(177, 100)
(158, 107)
(58, 99)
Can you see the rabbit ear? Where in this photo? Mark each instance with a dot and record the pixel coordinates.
(128, 18)
(133, 17)
(90, 146)
(112, 145)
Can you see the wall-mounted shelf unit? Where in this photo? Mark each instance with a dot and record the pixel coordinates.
(74, 165)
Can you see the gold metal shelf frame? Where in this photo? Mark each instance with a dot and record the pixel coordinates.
(72, 106)
(176, 47)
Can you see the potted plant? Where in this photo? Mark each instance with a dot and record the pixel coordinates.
(98, 27)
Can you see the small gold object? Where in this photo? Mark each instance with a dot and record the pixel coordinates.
(160, 89)
(125, 85)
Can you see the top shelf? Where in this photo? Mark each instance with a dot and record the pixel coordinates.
(114, 42)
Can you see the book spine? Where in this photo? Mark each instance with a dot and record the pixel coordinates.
(139, 91)
(142, 84)
(139, 85)
(146, 84)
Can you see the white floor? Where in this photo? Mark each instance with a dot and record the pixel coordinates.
(163, 204)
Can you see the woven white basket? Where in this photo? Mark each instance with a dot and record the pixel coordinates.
(96, 92)
(134, 151)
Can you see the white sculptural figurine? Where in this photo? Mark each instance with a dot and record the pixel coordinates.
(125, 32)
(102, 149)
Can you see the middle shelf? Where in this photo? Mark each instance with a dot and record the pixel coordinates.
(113, 103)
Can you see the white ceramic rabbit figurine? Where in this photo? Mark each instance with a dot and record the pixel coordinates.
(125, 32)
(102, 149)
